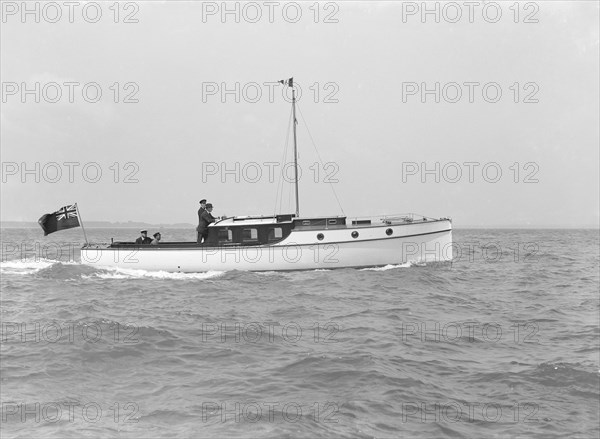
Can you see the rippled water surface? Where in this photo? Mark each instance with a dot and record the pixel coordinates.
(503, 342)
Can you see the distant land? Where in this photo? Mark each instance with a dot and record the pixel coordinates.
(100, 225)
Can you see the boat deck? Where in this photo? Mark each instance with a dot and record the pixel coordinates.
(223, 227)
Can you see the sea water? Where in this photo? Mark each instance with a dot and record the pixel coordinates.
(503, 342)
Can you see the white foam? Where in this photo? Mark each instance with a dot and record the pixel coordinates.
(26, 266)
(126, 273)
(387, 267)
(267, 273)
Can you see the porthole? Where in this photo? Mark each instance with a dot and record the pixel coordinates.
(355, 234)
(320, 237)
(389, 232)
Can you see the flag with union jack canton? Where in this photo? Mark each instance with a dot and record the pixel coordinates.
(64, 218)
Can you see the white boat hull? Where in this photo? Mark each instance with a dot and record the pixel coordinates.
(422, 242)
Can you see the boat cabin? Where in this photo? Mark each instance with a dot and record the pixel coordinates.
(263, 230)
(249, 231)
(252, 230)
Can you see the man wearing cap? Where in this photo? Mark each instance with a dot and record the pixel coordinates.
(200, 211)
(205, 219)
(143, 239)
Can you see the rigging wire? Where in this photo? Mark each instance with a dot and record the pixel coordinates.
(319, 156)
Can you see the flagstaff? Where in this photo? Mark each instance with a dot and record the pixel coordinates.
(81, 222)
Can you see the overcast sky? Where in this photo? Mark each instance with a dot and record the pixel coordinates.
(527, 157)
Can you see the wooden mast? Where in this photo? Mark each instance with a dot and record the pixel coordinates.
(291, 84)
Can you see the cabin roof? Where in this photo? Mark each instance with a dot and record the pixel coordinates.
(272, 219)
(246, 220)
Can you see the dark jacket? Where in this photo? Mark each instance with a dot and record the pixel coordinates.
(145, 240)
(206, 218)
(200, 212)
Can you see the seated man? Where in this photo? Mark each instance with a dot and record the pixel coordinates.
(143, 239)
(156, 239)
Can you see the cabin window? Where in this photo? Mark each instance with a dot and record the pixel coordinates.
(275, 234)
(225, 235)
(249, 235)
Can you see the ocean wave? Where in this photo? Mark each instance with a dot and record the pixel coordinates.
(377, 350)
(29, 266)
(50, 268)
(565, 374)
(126, 273)
(391, 267)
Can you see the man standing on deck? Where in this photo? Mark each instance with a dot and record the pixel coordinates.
(200, 211)
(205, 220)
